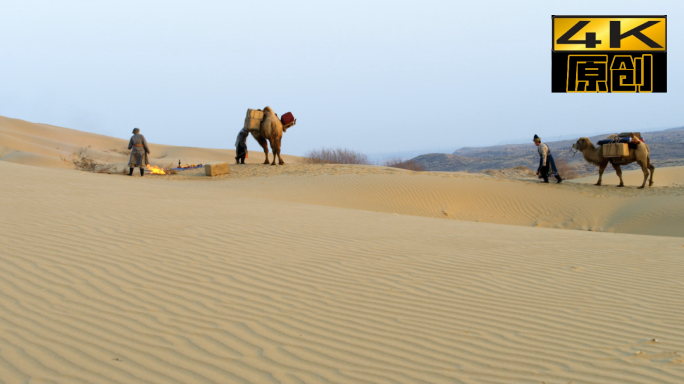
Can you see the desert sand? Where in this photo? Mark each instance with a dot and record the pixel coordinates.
(329, 273)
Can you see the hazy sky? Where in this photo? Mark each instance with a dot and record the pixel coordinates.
(375, 76)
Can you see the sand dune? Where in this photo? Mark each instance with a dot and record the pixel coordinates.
(330, 273)
(463, 196)
(112, 279)
(45, 145)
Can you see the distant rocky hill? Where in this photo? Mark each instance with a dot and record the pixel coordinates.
(667, 149)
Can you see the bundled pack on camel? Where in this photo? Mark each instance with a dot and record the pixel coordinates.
(617, 150)
(266, 128)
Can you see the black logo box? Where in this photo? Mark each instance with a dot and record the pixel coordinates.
(559, 61)
(559, 68)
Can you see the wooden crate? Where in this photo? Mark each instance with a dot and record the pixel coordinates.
(253, 120)
(216, 169)
(255, 114)
(615, 150)
(252, 124)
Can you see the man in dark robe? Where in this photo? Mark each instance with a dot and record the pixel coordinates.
(547, 167)
(241, 145)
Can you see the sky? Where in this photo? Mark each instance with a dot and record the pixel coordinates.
(372, 76)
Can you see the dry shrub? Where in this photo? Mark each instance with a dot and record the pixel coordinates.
(523, 171)
(334, 156)
(124, 152)
(514, 173)
(397, 162)
(83, 160)
(566, 170)
(493, 172)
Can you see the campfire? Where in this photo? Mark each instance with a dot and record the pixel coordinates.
(167, 170)
(154, 170)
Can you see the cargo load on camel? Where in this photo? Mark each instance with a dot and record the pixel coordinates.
(619, 145)
(253, 119)
(256, 116)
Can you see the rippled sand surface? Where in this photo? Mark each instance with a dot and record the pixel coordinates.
(337, 274)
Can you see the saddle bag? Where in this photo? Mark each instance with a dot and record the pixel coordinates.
(253, 119)
(288, 120)
(627, 134)
(615, 150)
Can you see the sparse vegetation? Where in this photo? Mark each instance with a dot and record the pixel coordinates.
(515, 172)
(334, 156)
(124, 152)
(83, 160)
(397, 162)
(566, 170)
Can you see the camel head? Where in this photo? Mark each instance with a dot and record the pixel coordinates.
(582, 144)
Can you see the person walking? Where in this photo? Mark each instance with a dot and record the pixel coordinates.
(547, 167)
(139, 152)
(241, 145)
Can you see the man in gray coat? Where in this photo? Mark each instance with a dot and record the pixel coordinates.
(139, 152)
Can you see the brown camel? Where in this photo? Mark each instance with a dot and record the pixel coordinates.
(594, 156)
(271, 129)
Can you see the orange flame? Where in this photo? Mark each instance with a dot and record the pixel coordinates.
(154, 170)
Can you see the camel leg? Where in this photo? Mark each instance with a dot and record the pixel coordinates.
(602, 167)
(650, 168)
(618, 170)
(264, 145)
(644, 169)
(272, 142)
(280, 160)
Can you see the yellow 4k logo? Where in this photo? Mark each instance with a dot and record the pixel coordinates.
(589, 73)
(609, 34)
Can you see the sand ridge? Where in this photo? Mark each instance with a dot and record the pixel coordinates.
(462, 196)
(116, 280)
